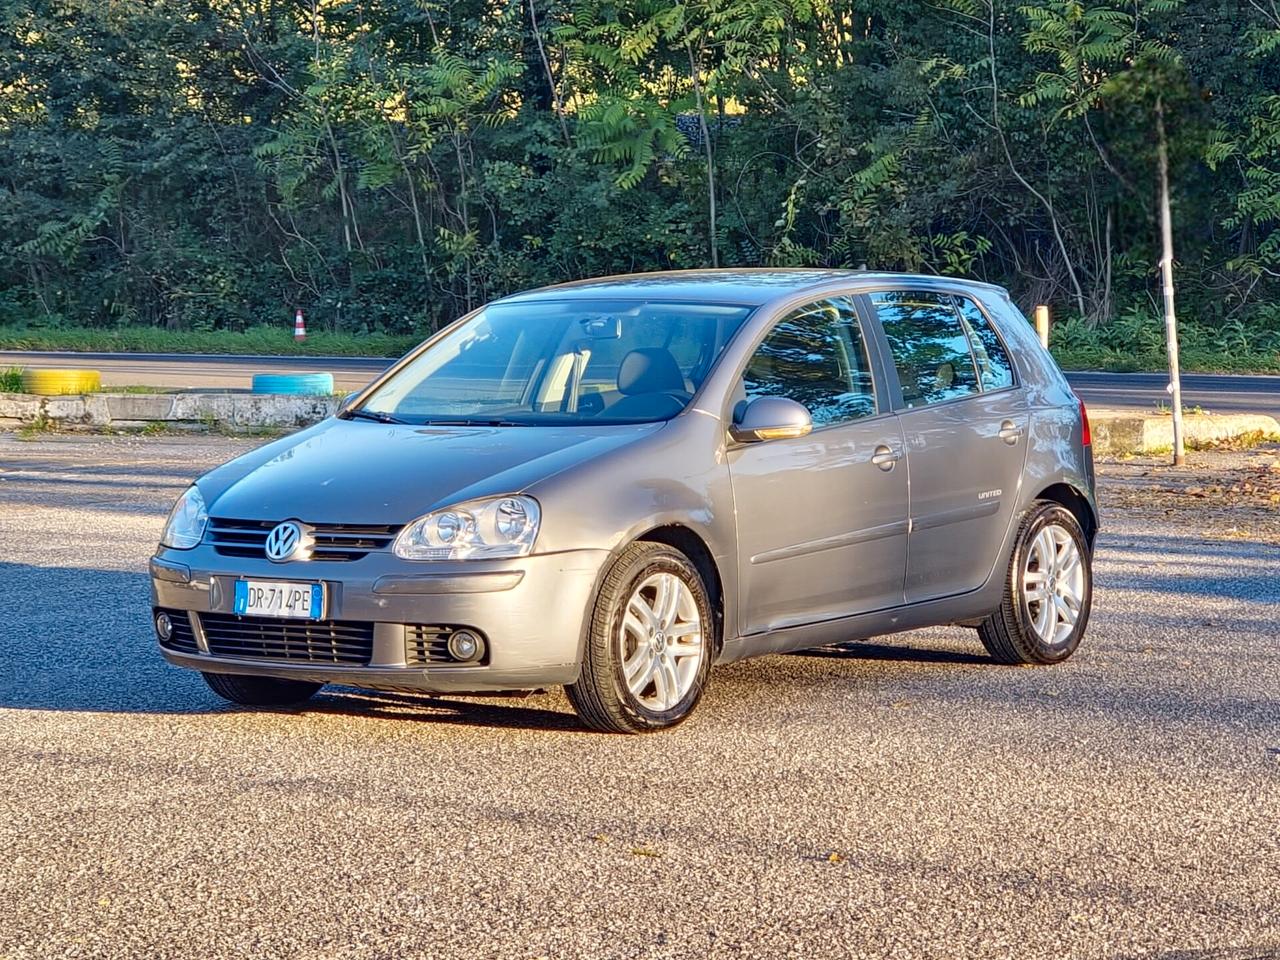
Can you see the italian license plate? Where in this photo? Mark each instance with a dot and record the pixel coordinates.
(274, 598)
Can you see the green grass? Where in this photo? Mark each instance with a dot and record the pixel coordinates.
(1191, 361)
(1133, 341)
(11, 380)
(271, 341)
(37, 428)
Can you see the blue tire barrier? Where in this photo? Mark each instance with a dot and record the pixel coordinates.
(295, 384)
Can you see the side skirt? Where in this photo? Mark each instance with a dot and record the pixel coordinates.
(929, 613)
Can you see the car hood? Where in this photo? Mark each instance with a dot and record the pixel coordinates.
(349, 471)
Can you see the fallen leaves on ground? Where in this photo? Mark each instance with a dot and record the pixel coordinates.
(1223, 492)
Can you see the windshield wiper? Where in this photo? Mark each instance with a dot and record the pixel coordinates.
(373, 415)
(474, 422)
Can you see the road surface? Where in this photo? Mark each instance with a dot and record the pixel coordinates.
(900, 798)
(1216, 394)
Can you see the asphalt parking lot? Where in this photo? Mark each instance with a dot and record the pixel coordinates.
(899, 798)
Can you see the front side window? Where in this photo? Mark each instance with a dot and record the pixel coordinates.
(929, 346)
(563, 362)
(994, 369)
(816, 356)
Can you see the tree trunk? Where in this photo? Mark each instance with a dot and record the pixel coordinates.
(1166, 273)
(706, 146)
(557, 103)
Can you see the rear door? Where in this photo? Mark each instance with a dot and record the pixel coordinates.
(964, 421)
(822, 519)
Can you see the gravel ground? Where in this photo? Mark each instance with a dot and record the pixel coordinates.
(902, 798)
(1229, 493)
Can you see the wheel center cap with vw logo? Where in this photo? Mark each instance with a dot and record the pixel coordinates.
(291, 540)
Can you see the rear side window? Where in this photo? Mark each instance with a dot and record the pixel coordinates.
(994, 369)
(816, 356)
(929, 346)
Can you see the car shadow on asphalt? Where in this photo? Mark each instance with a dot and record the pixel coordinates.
(869, 650)
(79, 640)
(425, 708)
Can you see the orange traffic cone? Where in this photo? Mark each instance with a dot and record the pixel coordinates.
(299, 328)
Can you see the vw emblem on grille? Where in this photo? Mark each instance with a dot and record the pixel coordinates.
(289, 541)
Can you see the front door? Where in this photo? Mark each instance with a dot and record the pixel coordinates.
(964, 421)
(822, 519)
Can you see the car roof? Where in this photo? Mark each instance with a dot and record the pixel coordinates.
(746, 286)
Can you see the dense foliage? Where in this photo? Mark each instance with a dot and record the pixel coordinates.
(385, 164)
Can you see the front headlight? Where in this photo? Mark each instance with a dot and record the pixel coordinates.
(478, 529)
(186, 523)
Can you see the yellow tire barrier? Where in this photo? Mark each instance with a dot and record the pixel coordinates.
(52, 383)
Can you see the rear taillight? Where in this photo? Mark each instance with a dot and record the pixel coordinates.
(1085, 436)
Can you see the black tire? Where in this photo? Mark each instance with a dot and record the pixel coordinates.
(260, 691)
(600, 696)
(1009, 634)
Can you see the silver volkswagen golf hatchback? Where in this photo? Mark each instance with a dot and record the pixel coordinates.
(615, 484)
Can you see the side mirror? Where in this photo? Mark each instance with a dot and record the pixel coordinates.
(770, 418)
(345, 403)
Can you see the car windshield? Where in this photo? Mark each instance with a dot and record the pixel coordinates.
(561, 362)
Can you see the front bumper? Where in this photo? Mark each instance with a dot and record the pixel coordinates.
(532, 612)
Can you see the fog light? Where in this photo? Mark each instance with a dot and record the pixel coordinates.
(465, 646)
(164, 626)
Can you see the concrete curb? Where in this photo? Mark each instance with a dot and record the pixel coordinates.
(227, 411)
(1117, 432)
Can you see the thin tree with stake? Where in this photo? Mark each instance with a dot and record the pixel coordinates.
(1166, 275)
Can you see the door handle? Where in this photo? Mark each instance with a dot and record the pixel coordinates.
(885, 457)
(1010, 432)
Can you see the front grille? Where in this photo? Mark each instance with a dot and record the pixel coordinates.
(296, 641)
(334, 541)
(183, 638)
(425, 645)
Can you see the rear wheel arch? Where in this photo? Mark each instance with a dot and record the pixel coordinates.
(1072, 499)
(1054, 576)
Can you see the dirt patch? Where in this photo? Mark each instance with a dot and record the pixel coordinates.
(1222, 492)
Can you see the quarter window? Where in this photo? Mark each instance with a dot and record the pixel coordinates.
(994, 369)
(816, 356)
(929, 346)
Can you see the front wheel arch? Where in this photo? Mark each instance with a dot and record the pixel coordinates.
(688, 542)
(600, 694)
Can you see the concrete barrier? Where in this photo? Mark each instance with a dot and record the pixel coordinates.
(1119, 432)
(226, 411)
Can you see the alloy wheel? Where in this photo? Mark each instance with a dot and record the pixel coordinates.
(1053, 584)
(660, 641)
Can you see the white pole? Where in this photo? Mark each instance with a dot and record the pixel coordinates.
(1166, 273)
